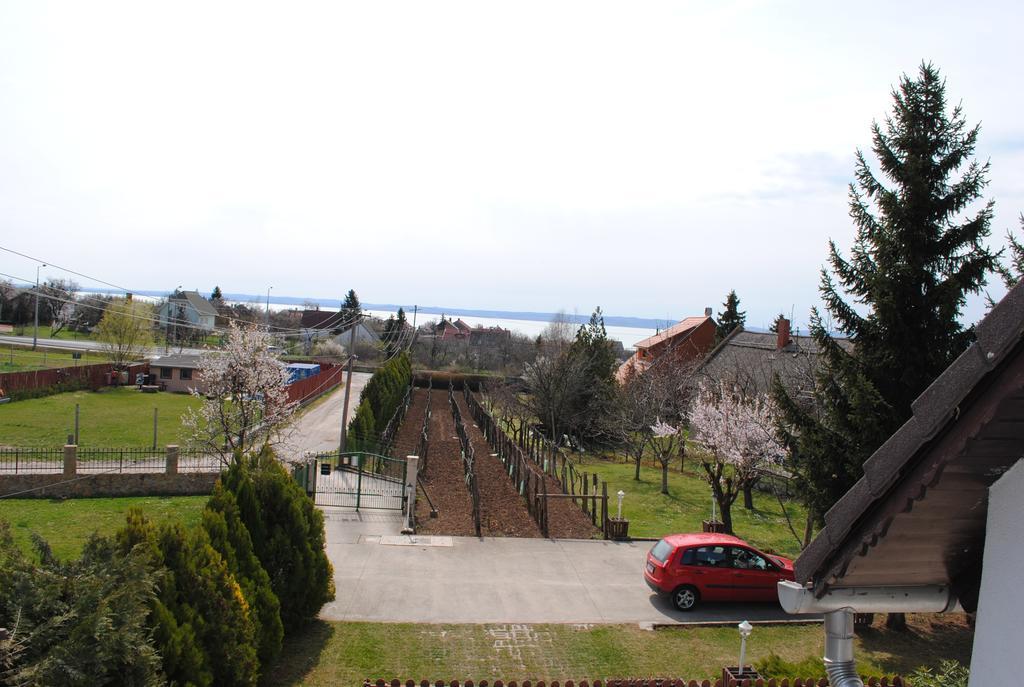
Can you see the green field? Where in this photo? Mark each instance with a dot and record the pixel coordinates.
(67, 524)
(652, 514)
(115, 417)
(21, 359)
(346, 653)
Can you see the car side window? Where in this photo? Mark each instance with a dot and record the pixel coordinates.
(687, 557)
(745, 559)
(710, 556)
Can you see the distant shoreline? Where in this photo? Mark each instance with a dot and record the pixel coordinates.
(530, 316)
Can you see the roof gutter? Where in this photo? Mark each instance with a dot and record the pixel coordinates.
(841, 603)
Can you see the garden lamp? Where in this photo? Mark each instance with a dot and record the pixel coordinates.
(745, 629)
(620, 495)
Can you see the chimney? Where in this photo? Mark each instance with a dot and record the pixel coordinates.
(707, 312)
(782, 339)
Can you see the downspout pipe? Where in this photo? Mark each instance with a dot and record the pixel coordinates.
(839, 604)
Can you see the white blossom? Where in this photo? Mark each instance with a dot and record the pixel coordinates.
(245, 397)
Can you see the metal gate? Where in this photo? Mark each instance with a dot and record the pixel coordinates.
(355, 480)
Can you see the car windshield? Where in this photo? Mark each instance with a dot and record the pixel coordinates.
(661, 550)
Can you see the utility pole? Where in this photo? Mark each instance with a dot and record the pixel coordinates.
(35, 329)
(348, 384)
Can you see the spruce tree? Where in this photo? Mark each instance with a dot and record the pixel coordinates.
(774, 328)
(216, 296)
(731, 318)
(350, 307)
(917, 255)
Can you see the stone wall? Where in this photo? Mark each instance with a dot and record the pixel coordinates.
(114, 484)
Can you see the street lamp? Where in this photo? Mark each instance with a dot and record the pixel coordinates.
(268, 308)
(35, 328)
(621, 494)
(745, 629)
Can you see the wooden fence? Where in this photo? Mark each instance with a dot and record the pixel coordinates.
(532, 453)
(92, 377)
(305, 390)
(895, 681)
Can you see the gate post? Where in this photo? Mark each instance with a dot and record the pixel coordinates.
(412, 464)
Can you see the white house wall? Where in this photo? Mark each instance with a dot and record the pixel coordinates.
(996, 659)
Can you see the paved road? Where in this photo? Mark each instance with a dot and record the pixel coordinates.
(319, 428)
(87, 345)
(380, 577)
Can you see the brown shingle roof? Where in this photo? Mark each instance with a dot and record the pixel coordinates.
(684, 328)
(918, 514)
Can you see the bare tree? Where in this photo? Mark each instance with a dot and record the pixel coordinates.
(58, 302)
(738, 438)
(245, 398)
(556, 383)
(558, 334)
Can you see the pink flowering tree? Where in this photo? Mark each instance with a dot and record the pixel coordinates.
(245, 404)
(738, 440)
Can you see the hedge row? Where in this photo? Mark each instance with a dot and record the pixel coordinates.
(378, 401)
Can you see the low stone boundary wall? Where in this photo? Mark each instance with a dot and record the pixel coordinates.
(112, 484)
(642, 682)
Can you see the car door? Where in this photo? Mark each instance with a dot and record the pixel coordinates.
(707, 566)
(755, 577)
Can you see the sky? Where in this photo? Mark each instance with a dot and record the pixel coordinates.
(644, 157)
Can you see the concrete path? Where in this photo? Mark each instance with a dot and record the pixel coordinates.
(319, 429)
(497, 580)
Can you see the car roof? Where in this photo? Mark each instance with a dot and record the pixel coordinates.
(704, 539)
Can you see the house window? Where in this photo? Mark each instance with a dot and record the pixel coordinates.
(185, 373)
(165, 372)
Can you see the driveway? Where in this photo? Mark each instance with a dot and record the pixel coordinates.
(319, 429)
(380, 576)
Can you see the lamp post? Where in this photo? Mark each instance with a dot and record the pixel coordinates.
(621, 494)
(35, 328)
(268, 308)
(745, 629)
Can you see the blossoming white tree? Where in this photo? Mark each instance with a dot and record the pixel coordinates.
(665, 440)
(738, 438)
(245, 398)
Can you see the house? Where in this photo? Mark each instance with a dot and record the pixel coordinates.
(487, 336)
(685, 341)
(748, 361)
(446, 330)
(365, 335)
(323, 321)
(177, 373)
(187, 309)
(935, 522)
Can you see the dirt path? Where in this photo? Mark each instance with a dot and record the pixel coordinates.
(502, 510)
(407, 440)
(443, 479)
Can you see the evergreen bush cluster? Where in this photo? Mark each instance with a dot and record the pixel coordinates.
(206, 605)
(378, 402)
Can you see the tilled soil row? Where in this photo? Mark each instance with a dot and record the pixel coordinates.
(407, 440)
(502, 510)
(444, 479)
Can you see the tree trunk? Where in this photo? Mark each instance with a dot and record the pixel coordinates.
(808, 530)
(896, 621)
(682, 456)
(725, 514)
(636, 476)
(748, 496)
(664, 476)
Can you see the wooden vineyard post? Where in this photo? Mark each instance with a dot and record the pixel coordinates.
(604, 509)
(593, 510)
(544, 505)
(586, 492)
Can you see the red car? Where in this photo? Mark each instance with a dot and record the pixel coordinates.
(691, 568)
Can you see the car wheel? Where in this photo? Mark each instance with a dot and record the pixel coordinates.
(685, 598)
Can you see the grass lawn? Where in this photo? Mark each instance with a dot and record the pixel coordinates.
(652, 514)
(346, 653)
(114, 417)
(67, 524)
(21, 359)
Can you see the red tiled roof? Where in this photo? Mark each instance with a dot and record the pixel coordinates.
(685, 327)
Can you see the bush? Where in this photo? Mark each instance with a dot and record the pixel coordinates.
(382, 395)
(229, 536)
(777, 667)
(287, 533)
(78, 623)
(950, 674)
(201, 621)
